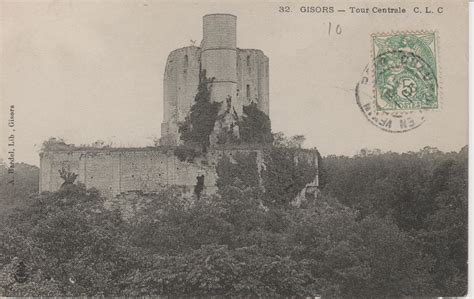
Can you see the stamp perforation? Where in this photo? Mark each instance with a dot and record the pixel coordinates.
(436, 54)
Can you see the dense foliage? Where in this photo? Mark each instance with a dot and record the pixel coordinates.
(68, 240)
(199, 124)
(424, 193)
(255, 126)
(365, 236)
(16, 187)
(285, 175)
(242, 172)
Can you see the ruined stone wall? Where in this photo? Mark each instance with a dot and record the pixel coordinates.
(312, 158)
(116, 171)
(252, 78)
(52, 162)
(239, 73)
(180, 84)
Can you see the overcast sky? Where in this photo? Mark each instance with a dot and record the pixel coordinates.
(94, 70)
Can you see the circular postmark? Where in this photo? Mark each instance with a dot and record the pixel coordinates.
(394, 121)
(404, 81)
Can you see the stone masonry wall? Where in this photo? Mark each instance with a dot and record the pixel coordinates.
(116, 171)
(180, 84)
(239, 73)
(252, 78)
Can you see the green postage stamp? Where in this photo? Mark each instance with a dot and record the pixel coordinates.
(406, 71)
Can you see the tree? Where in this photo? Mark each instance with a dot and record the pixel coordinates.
(425, 195)
(255, 126)
(385, 225)
(70, 237)
(68, 177)
(285, 175)
(445, 235)
(199, 124)
(358, 258)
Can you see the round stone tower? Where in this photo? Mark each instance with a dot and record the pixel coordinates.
(219, 57)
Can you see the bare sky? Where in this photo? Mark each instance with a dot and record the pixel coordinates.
(89, 70)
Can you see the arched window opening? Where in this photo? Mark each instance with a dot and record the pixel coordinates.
(186, 61)
(248, 92)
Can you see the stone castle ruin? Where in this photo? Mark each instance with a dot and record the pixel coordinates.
(239, 74)
(234, 79)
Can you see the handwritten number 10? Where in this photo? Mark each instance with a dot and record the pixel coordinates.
(338, 29)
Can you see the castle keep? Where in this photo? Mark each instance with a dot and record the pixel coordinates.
(239, 78)
(241, 74)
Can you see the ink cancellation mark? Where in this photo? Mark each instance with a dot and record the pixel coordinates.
(394, 121)
(405, 71)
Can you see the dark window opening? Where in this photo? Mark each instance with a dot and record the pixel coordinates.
(186, 61)
(248, 60)
(248, 92)
(199, 186)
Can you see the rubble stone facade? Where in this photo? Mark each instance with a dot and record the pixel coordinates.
(114, 171)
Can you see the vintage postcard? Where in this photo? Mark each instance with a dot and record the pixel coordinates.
(234, 148)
